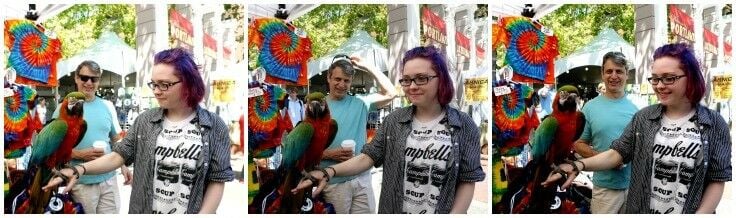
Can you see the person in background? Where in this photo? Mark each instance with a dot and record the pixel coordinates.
(546, 96)
(295, 107)
(41, 109)
(354, 193)
(606, 117)
(97, 193)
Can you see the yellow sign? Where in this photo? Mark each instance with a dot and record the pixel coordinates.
(476, 89)
(722, 87)
(223, 90)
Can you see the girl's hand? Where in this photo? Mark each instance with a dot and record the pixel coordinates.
(314, 176)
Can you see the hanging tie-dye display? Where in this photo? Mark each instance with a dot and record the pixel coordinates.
(530, 52)
(265, 124)
(18, 127)
(33, 55)
(281, 52)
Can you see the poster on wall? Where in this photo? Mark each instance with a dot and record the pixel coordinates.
(223, 90)
(722, 87)
(476, 89)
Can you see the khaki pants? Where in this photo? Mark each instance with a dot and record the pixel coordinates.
(100, 198)
(354, 196)
(608, 201)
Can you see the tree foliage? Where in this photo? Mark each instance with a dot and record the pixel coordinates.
(236, 12)
(575, 25)
(80, 25)
(330, 25)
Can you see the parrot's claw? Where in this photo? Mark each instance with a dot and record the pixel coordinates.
(309, 176)
(58, 173)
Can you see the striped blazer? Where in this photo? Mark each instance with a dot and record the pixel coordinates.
(139, 144)
(387, 150)
(636, 146)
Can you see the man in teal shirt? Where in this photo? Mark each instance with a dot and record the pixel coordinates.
(606, 117)
(97, 193)
(352, 194)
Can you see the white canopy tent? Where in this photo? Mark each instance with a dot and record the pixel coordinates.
(109, 51)
(362, 45)
(606, 41)
(268, 10)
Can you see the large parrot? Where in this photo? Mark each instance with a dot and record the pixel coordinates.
(552, 144)
(51, 149)
(301, 150)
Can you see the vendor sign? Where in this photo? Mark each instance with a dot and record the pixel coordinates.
(722, 87)
(476, 89)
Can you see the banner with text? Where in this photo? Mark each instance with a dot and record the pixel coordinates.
(434, 26)
(180, 30)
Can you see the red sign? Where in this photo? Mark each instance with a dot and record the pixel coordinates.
(181, 30)
(210, 45)
(727, 50)
(711, 41)
(226, 52)
(480, 54)
(434, 26)
(681, 25)
(463, 48)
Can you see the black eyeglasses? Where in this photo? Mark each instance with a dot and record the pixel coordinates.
(161, 86)
(667, 80)
(87, 78)
(419, 80)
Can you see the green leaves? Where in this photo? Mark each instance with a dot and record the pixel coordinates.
(329, 26)
(576, 24)
(79, 26)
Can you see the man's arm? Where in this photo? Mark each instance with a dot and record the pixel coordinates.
(387, 92)
(584, 148)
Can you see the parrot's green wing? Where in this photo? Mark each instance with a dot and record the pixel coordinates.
(47, 141)
(543, 137)
(295, 144)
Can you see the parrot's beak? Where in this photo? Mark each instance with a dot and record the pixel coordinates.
(75, 105)
(315, 108)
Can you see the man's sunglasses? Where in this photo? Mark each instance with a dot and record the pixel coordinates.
(87, 78)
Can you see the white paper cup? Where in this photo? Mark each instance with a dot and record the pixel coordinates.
(348, 144)
(99, 145)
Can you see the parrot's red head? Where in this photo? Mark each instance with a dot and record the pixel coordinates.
(72, 105)
(566, 99)
(317, 105)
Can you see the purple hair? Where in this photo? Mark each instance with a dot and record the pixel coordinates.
(695, 89)
(445, 90)
(186, 71)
